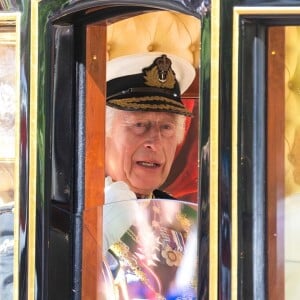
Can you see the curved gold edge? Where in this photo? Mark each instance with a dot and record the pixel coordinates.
(237, 12)
(214, 156)
(33, 147)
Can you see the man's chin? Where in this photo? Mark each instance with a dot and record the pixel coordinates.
(144, 191)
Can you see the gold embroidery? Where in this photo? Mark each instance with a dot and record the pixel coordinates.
(160, 74)
(152, 79)
(184, 221)
(122, 251)
(145, 99)
(128, 259)
(135, 103)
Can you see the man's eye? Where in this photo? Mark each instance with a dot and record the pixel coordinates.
(167, 126)
(140, 127)
(168, 129)
(140, 124)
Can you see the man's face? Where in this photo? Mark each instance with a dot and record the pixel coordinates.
(140, 149)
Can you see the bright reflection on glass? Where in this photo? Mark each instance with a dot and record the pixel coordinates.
(155, 256)
(7, 156)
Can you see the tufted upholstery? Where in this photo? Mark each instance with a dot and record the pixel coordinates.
(292, 106)
(162, 31)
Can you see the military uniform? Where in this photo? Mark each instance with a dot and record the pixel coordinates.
(147, 261)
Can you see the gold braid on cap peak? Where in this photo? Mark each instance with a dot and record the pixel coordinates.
(139, 100)
(160, 73)
(137, 104)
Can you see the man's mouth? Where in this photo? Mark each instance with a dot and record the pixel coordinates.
(148, 164)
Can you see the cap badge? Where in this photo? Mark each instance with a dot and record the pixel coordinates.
(160, 73)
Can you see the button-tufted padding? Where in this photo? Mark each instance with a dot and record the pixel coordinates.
(162, 31)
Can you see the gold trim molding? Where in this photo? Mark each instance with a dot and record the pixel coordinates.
(214, 155)
(33, 148)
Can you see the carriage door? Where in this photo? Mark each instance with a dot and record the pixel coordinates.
(266, 100)
(83, 38)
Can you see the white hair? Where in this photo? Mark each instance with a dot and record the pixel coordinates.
(111, 114)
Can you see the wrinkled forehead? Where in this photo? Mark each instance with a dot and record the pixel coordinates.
(149, 116)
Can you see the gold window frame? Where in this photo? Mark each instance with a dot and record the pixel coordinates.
(11, 36)
(214, 152)
(33, 137)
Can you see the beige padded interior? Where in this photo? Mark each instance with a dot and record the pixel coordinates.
(162, 31)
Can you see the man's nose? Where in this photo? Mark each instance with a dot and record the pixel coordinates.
(153, 139)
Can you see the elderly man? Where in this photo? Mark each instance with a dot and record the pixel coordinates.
(145, 123)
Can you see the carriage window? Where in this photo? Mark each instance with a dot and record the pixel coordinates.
(9, 136)
(283, 164)
(150, 199)
(272, 122)
(151, 164)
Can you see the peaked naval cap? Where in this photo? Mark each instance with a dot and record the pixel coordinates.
(148, 82)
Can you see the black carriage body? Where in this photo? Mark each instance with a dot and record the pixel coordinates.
(60, 142)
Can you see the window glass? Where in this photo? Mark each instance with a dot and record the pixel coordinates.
(292, 162)
(151, 167)
(8, 107)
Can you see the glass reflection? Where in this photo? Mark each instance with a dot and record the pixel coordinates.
(155, 257)
(292, 163)
(151, 152)
(7, 158)
(7, 102)
(6, 184)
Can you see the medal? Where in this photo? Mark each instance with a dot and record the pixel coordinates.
(172, 257)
